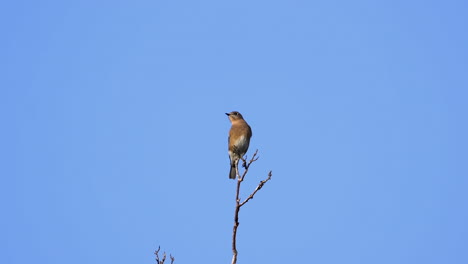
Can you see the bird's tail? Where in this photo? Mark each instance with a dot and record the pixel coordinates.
(232, 173)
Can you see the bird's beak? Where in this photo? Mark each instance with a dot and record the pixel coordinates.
(227, 114)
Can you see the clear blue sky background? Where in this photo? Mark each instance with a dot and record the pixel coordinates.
(113, 133)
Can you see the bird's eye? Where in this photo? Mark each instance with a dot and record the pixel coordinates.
(235, 113)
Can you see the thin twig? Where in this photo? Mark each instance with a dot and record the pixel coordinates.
(161, 261)
(158, 260)
(236, 220)
(240, 179)
(260, 185)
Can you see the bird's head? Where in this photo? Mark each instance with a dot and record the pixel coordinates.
(234, 115)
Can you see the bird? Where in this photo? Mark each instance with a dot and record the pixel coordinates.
(238, 140)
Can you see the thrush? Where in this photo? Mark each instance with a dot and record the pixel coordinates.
(238, 140)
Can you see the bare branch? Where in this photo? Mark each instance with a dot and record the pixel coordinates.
(260, 185)
(163, 259)
(247, 165)
(240, 179)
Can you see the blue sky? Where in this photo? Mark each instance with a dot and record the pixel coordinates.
(114, 138)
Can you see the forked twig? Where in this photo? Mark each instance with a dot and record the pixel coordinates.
(240, 179)
(161, 261)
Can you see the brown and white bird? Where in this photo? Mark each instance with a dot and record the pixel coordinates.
(238, 141)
